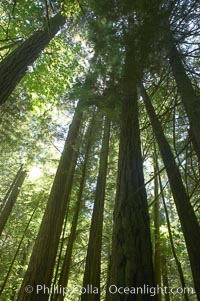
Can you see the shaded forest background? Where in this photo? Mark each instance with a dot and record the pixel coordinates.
(100, 148)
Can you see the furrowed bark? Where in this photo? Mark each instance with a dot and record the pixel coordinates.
(131, 230)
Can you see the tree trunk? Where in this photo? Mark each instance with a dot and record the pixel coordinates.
(41, 265)
(131, 230)
(178, 264)
(12, 197)
(165, 276)
(185, 211)
(157, 264)
(14, 66)
(10, 189)
(189, 97)
(93, 258)
(17, 252)
(108, 276)
(64, 275)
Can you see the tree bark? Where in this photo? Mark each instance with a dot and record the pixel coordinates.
(189, 97)
(131, 230)
(93, 259)
(64, 274)
(14, 66)
(11, 198)
(41, 265)
(184, 208)
(157, 262)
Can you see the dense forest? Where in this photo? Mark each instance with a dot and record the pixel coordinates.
(100, 150)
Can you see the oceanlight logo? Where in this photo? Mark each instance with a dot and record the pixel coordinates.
(148, 290)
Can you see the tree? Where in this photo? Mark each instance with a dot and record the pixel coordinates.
(185, 210)
(165, 276)
(49, 234)
(190, 99)
(157, 252)
(93, 259)
(65, 269)
(16, 253)
(14, 66)
(182, 280)
(131, 230)
(12, 197)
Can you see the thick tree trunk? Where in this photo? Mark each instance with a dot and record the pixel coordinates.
(185, 211)
(41, 265)
(14, 66)
(131, 262)
(93, 258)
(189, 97)
(11, 198)
(64, 274)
